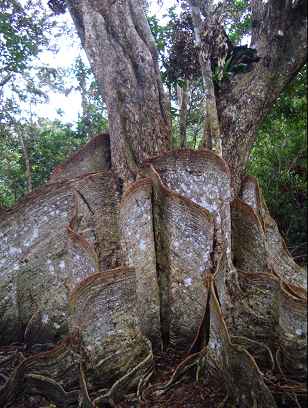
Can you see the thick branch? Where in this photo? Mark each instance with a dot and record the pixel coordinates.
(279, 35)
(5, 80)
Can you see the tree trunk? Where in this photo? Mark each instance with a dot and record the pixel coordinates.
(85, 106)
(212, 136)
(122, 53)
(183, 100)
(26, 159)
(160, 265)
(279, 36)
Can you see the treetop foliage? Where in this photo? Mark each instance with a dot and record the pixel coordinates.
(23, 35)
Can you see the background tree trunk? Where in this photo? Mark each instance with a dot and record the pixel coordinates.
(183, 100)
(27, 160)
(212, 136)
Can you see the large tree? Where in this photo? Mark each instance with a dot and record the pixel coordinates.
(201, 265)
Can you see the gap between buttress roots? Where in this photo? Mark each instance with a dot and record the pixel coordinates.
(164, 318)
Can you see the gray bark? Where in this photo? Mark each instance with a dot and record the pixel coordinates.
(139, 124)
(122, 53)
(279, 35)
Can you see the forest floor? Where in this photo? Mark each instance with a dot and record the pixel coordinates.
(186, 394)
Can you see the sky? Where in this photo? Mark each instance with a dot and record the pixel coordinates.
(69, 49)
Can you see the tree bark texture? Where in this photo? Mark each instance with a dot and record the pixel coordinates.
(122, 53)
(279, 34)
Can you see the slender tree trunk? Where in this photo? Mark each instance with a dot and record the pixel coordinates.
(212, 136)
(183, 100)
(27, 160)
(84, 99)
(122, 53)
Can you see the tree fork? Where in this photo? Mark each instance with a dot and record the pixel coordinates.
(279, 34)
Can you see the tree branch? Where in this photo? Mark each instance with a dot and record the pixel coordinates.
(279, 35)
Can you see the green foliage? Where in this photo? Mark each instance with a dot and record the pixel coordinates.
(10, 171)
(163, 36)
(279, 160)
(93, 119)
(26, 83)
(52, 145)
(160, 34)
(179, 61)
(237, 20)
(48, 144)
(240, 61)
(25, 30)
(93, 123)
(22, 27)
(219, 76)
